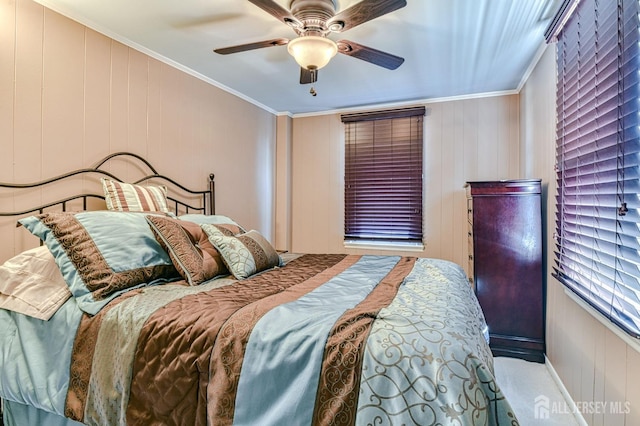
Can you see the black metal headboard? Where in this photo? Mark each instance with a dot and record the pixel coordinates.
(207, 196)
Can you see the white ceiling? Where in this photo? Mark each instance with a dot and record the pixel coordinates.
(452, 48)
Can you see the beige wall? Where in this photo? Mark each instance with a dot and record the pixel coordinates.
(282, 238)
(474, 139)
(69, 96)
(592, 361)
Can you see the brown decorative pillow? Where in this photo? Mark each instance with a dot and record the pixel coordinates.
(214, 219)
(127, 197)
(195, 258)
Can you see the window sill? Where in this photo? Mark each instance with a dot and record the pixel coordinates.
(629, 340)
(381, 245)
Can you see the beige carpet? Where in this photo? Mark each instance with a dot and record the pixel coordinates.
(532, 393)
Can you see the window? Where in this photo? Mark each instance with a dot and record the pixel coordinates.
(383, 176)
(598, 156)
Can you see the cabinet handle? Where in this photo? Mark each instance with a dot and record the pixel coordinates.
(469, 233)
(470, 257)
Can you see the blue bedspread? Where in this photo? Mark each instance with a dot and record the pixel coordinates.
(423, 360)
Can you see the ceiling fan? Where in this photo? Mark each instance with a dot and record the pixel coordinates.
(313, 21)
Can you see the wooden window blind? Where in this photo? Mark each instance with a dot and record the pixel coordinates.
(383, 175)
(598, 158)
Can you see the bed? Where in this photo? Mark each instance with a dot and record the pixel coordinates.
(181, 316)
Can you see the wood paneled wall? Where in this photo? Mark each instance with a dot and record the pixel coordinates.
(473, 139)
(69, 96)
(594, 364)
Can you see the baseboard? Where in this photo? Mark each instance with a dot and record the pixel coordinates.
(572, 405)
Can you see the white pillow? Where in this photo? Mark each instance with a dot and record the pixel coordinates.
(31, 284)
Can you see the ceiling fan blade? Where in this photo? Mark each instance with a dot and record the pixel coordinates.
(369, 54)
(251, 46)
(308, 76)
(364, 11)
(279, 12)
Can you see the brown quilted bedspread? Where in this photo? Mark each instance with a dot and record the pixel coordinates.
(171, 366)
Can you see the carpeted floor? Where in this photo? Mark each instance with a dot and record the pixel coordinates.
(532, 393)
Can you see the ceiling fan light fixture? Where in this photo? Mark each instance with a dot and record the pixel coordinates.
(312, 52)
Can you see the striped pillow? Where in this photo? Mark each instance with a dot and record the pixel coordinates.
(126, 197)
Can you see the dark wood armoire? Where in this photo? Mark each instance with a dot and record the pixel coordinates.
(505, 264)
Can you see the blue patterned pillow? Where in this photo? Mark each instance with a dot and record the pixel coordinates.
(245, 254)
(102, 254)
